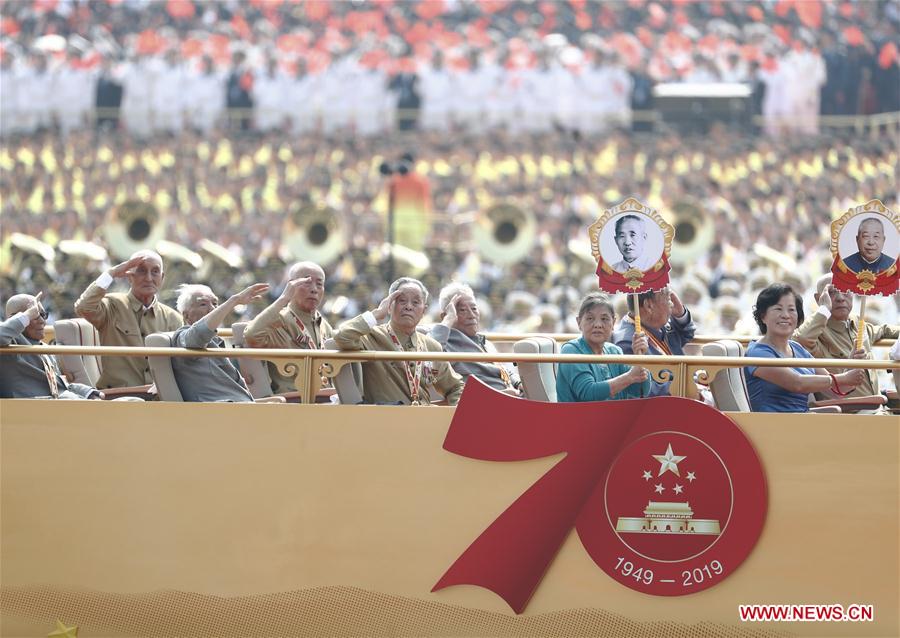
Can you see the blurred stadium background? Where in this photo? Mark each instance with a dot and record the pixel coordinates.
(239, 136)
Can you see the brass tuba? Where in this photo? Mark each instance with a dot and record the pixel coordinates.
(312, 233)
(694, 232)
(505, 233)
(133, 226)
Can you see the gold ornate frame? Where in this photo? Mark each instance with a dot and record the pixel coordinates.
(873, 206)
(631, 205)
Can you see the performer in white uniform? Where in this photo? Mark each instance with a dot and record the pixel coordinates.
(206, 96)
(270, 91)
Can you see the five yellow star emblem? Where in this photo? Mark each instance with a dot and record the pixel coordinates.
(62, 631)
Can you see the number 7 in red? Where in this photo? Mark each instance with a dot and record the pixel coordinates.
(512, 554)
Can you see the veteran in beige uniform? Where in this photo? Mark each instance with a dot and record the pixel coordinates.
(391, 382)
(293, 320)
(830, 333)
(124, 319)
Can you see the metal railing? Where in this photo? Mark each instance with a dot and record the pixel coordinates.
(560, 337)
(307, 367)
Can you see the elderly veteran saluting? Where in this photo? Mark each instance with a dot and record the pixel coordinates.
(210, 378)
(396, 382)
(667, 327)
(293, 320)
(830, 333)
(125, 319)
(27, 376)
(458, 332)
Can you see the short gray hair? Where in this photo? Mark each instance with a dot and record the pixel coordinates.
(187, 292)
(404, 281)
(866, 221)
(449, 291)
(303, 265)
(147, 253)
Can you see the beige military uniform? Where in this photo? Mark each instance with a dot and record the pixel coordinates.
(832, 339)
(273, 328)
(122, 320)
(388, 381)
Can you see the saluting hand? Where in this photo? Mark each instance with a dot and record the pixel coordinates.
(450, 312)
(34, 310)
(677, 306)
(126, 267)
(824, 299)
(384, 308)
(251, 293)
(291, 288)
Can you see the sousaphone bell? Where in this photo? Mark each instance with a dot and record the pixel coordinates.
(312, 233)
(694, 233)
(504, 233)
(133, 226)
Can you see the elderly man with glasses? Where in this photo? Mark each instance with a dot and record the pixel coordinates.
(27, 375)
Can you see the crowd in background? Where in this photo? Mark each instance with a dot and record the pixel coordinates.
(160, 66)
(241, 192)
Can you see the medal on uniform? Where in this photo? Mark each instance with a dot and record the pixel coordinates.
(304, 340)
(413, 373)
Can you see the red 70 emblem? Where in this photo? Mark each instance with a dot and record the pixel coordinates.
(511, 556)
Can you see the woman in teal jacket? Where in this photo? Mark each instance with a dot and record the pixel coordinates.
(598, 381)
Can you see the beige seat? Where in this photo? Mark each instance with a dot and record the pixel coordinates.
(728, 387)
(349, 381)
(538, 379)
(254, 371)
(161, 367)
(76, 367)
